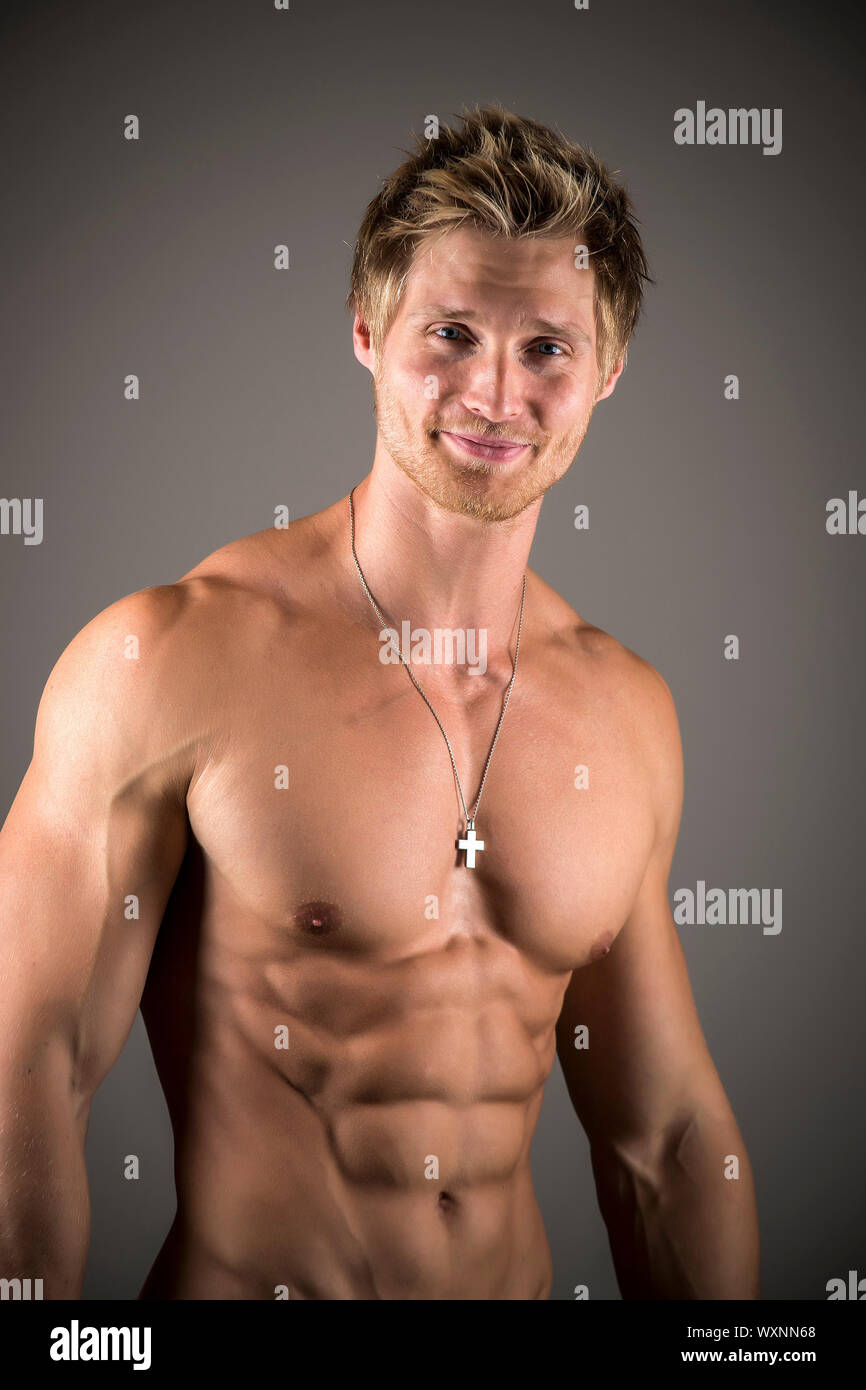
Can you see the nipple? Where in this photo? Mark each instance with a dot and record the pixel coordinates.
(601, 947)
(317, 918)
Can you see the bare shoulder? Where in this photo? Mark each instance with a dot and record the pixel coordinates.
(276, 564)
(607, 671)
(144, 664)
(109, 707)
(641, 692)
(139, 693)
(103, 659)
(171, 637)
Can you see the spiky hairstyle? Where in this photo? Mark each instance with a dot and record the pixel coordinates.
(511, 177)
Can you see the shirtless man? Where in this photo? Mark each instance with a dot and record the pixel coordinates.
(240, 817)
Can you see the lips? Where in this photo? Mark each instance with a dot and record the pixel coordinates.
(499, 450)
(491, 443)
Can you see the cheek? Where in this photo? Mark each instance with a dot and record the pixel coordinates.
(415, 385)
(564, 404)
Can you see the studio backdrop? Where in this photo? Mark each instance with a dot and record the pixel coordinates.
(156, 159)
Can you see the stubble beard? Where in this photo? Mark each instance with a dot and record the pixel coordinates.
(465, 491)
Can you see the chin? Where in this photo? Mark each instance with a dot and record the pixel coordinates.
(482, 496)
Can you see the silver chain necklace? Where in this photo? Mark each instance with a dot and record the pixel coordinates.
(470, 843)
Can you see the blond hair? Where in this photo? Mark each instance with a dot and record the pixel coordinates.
(512, 177)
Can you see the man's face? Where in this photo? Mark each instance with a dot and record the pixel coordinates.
(492, 339)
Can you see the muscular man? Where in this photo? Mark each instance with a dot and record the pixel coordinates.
(239, 816)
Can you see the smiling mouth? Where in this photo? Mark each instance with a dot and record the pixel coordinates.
(499, 451)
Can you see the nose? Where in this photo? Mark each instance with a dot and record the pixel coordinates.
(492, 386)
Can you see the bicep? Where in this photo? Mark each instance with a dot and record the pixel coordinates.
(647, 1064)
(88, 855)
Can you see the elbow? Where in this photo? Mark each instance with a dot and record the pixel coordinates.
(675, 1153)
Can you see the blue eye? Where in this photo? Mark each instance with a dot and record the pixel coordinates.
(450, 328)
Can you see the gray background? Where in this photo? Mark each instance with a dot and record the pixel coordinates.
(707, 516)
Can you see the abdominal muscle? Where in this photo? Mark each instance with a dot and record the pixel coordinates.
(382, 1153)
(308, 1243)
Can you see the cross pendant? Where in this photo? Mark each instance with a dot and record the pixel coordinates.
(471, 844)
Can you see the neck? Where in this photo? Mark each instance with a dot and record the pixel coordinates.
(439, 569)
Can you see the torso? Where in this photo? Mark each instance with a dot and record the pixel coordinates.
(384, 1152)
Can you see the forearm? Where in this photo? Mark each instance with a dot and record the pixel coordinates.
(44, 1196)
(680, 1226)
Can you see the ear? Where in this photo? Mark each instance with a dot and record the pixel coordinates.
(611, 381)
(362, 343)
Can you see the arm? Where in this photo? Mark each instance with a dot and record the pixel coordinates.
(659, 1124)
(100, 816)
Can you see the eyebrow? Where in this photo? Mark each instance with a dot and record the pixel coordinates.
(449, 311)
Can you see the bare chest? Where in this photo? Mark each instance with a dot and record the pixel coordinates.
(329, 810)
